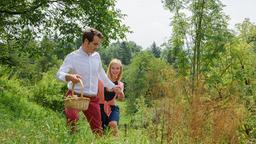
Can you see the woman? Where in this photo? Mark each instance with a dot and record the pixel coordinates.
(109, 110)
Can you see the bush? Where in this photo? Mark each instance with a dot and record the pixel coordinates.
(49, 92)
(149, 77)
(12, 95)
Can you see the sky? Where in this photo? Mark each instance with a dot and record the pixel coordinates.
(150, 22)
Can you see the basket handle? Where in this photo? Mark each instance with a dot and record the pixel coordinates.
(82, 85)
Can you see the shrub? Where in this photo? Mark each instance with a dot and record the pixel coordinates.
(149, 77)
(49, 92)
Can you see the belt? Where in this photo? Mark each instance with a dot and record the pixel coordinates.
(88, 96)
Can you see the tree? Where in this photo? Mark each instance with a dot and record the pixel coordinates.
(206, 35)
(38, 32)
(177, 54)
(155, 50)
(65, 18)
(147, 77)
(121, 50)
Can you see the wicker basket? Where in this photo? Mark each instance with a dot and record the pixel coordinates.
(77, 102)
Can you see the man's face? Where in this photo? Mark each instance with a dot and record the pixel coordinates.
(90, 47)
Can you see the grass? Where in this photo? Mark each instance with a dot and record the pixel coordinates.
(202, 121)
(35, 124)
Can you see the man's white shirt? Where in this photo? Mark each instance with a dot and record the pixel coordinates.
(87, 66)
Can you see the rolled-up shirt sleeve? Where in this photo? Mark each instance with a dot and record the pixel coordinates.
(104, 78)
(65, 68)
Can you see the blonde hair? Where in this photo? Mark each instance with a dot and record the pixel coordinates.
(115, 61)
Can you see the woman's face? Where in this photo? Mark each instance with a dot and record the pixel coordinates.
(115, 70)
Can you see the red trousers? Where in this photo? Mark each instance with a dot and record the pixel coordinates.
(92, 115)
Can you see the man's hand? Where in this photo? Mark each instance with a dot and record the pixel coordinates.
(73, 77)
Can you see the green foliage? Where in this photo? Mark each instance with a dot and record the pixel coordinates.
(155, 50)
(176, 49)
(136, 78)
(203, 35)
(121, 50)
(64, 18)
(31, 99)
(148, 77)
(141, 119)
(248, 131)
(29, 59)
(12, 96)
(10, 55)
(49, 92)
(26, 122)
(176, 46)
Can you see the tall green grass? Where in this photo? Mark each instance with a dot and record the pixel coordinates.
(23, 121)
(172, 119)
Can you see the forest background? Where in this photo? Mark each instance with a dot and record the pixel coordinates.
(197, 87)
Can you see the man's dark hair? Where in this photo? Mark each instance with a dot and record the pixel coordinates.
(90, 33)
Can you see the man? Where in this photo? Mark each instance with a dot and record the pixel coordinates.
(85, 64)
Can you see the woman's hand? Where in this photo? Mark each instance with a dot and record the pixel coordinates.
(118, 91)
(120, 97)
